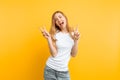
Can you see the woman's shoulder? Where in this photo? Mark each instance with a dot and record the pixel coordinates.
(57, 32)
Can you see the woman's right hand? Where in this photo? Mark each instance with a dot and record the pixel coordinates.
(45, 33)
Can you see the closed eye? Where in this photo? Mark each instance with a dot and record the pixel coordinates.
(60, 16)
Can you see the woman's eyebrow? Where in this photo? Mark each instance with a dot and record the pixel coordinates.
(60, 15)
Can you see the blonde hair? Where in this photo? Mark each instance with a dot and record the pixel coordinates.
(55, 28)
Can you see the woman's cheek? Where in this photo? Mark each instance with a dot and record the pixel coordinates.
(57, 23)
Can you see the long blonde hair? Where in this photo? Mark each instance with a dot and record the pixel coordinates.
(55, 28)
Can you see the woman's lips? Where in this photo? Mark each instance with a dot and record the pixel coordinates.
(61, 23)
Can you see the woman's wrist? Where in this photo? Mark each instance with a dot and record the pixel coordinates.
(76, 40)
(49, 39)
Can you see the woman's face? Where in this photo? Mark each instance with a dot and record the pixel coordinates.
(60, 20)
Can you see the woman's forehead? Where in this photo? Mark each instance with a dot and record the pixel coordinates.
(57, 15)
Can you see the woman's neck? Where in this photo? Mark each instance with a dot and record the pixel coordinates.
(64, 30)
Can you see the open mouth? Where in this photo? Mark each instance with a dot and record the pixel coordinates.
(61, 23)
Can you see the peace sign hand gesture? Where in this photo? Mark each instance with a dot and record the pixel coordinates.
(45, 33)
(76, 34)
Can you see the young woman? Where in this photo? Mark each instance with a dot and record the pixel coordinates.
(63, 43)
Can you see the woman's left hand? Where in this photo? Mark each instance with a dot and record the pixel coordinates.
(76, 34)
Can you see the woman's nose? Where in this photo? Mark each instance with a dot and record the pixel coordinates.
(59, 19)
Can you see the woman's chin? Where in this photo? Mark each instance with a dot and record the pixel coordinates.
(64, 26)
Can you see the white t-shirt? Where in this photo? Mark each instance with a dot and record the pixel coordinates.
(64, 45)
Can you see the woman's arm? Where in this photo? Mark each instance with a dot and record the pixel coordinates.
(75, 48)
(76, 36)
(52, 47)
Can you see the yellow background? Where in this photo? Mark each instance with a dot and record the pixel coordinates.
(24, 51)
